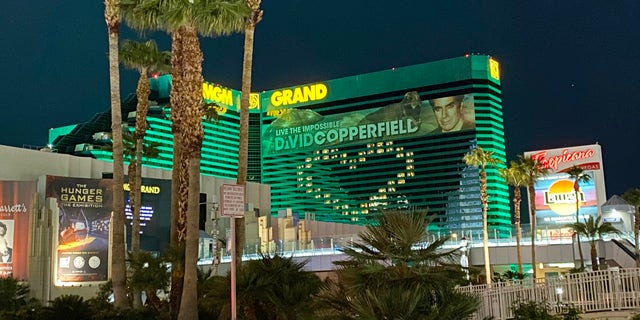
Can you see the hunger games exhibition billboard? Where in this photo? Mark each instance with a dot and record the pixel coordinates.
(82, 243)
(303, 129)
(16, 199)
(555, 195)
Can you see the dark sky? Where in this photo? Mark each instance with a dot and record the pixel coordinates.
(570, 69)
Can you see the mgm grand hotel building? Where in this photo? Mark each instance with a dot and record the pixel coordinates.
(342, 150)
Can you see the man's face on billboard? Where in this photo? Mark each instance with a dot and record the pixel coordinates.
(447, 111)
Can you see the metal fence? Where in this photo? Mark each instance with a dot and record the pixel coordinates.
(607, 290)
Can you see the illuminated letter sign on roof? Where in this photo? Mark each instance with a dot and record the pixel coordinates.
(494, 69)
(565, 157)
(217, 93)
(301, 94)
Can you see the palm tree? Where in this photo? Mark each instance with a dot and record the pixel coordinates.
(150, 275)
(185, 20)
(593, 230)
(118, 275)
(243, 150)
(533, 170)
(395, 272)
(145, 58)
(134, 151)
(515, 176)
(268, 288)
(578, 175)
(478, 157)
(632, 196)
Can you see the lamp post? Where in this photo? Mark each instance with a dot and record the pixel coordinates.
(215, 233)
(464, 257)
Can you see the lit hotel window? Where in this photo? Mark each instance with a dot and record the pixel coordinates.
(362, 159)
(400, 155)
(400, 174)
(381, 190)
(380, 150)
(379, 144)
(400, 181)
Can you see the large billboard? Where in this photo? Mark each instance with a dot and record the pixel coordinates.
(82, 243)
(556, 200)
(555, 194)
(16, 204)
(303, 129)
(155, 214)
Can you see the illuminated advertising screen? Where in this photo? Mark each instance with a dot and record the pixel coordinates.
(155, 214)
(82, 241)
(304, 129)
(556, 200)
(16, 199)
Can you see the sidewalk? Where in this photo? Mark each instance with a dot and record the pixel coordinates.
(610, 315)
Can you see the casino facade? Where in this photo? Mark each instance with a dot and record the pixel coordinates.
(341, 150)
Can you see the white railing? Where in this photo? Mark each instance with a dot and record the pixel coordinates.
(607, 290)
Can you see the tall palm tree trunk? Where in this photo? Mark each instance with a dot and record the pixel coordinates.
(578, 234)
(532, 208)
(243, 150)
(517, 198)
(485, 224)
(179, 179)
(192, 135)
(636, 231)
(135, 175)
(118, 275)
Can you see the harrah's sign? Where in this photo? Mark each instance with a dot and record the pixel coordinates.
(566, 156)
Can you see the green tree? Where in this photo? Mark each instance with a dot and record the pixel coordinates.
(70, 307)
(276, 288)
(243, 148)
(14, 299)
(516, 176)
(394, 272)
(482, 159)
(118, 274)
(578, 175)
(533, 170)
(145, 58)
(632, 196)
(150, 274)
(185, 21)
(593, 230)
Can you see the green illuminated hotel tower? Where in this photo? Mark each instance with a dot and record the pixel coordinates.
(342, 150)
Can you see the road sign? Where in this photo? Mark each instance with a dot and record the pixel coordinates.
(232, 204)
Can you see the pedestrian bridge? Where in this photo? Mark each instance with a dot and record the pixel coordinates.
(559, 252)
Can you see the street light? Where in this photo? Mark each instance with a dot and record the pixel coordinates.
(215, 233)
(464, 257)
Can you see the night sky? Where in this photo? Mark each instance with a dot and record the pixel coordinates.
(570, 69)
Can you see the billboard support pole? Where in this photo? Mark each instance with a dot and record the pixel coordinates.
(233, 268)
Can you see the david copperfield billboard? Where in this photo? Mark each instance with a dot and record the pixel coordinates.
(16, 199)
(555, 195)
(82, 243)
(304, 129)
